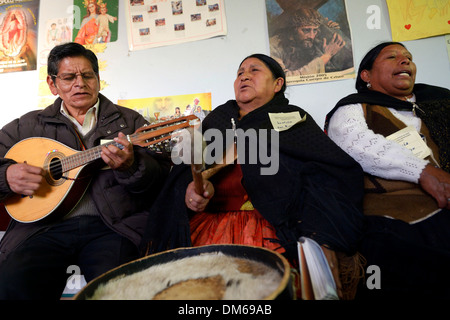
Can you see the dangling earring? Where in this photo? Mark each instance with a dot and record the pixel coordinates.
(368, 85)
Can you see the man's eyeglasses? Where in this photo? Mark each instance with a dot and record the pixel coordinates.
(69, 78)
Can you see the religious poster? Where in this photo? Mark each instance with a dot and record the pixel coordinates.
(155, 23)
(52, 32)
(18, 35)
(57, 31)
(311, 39)
(95, 21)
(416, 19)
(169, 107)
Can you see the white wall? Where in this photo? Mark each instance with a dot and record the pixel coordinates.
(210, 65)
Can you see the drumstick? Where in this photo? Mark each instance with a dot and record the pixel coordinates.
(198, 179)
(196, 157)
(190, 147)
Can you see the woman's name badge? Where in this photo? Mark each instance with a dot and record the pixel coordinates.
(410, 139)
(285, 120)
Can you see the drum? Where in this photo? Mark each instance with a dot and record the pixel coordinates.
(213, 272)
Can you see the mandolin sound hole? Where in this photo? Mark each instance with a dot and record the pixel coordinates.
(54, 170)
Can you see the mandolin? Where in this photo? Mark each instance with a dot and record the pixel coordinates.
(65, 168)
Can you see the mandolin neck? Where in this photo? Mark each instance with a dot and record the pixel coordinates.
(143, 137)
(84, 157)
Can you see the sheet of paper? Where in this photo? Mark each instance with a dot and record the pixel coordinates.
(411, 139)
(417, 19)
(161, 22)
(285, 120)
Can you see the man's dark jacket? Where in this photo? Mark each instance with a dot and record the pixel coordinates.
(121, 198)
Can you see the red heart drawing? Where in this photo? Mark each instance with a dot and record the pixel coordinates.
(448, 21)
(408, 26)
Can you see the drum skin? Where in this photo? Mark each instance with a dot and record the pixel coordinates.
(270, 258)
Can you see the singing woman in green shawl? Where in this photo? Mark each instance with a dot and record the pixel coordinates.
(399, 132)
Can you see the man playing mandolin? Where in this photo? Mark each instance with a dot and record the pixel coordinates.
(92, 216)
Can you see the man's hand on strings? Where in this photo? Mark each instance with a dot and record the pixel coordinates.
(116, 158)
(24, 179)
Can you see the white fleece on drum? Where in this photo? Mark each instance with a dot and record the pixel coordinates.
(241, 279)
